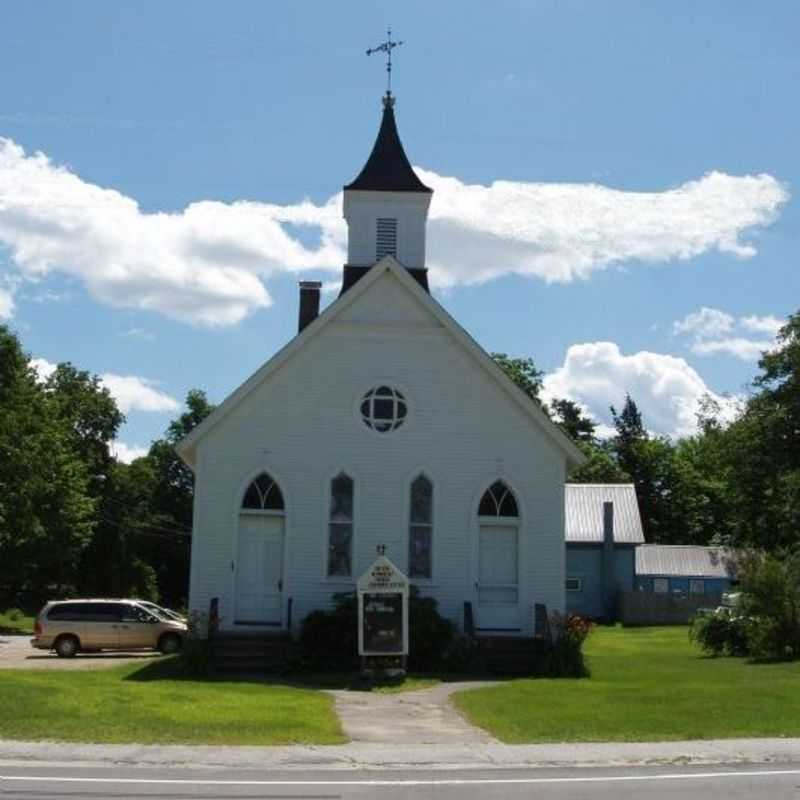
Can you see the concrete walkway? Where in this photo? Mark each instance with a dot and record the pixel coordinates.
(425, 716)
(389, 756)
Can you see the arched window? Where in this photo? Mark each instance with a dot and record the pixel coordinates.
(340, 527)
(263, 494)
(498, 501)
(420, 528)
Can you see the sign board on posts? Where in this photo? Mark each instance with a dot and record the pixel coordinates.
(382, 610)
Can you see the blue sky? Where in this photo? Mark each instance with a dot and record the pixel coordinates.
(615, 140)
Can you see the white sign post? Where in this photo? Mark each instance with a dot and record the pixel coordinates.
(383, 613)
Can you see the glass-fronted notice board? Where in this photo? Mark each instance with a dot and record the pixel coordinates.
(383, 622)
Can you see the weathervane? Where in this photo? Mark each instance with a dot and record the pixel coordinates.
(386, 47)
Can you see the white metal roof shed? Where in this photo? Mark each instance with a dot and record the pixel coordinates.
(687, 561)
(584, 512)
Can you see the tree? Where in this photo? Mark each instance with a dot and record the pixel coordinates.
(600, 466)
(46, 512)
(570, 418)
(173, 497)
(524, 373)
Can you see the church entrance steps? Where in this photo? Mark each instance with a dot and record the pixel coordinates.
(250, 653)
(511, 655)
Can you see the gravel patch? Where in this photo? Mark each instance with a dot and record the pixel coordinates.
(16, 653)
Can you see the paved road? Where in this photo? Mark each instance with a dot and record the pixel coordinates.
(51, 782)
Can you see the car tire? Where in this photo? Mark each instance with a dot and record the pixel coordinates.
(170, 643)
(66, 646)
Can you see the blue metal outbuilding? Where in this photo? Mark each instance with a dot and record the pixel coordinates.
(603, 529)
(684, 569)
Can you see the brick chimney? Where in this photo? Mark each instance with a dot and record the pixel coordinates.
(309, 303)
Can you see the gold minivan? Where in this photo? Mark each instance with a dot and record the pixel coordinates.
(73, 626)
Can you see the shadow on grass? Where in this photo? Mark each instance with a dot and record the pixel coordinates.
(173, 668)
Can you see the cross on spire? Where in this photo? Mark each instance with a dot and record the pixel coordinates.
(386, 47)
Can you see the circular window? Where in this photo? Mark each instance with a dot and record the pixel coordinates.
(383, 409)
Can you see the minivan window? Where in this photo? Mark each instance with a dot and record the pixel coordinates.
(132, 613)
(66, 612)
(102, 612)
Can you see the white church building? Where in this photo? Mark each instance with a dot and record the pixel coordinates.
(382, 422)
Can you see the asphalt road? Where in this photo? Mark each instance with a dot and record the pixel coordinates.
(41, 781)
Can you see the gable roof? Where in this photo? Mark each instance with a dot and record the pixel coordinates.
(688, 561)
(584, 512)
(387, 168)
(186, 448)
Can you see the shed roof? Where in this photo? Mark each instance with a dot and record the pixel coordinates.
(690, 561)
(584, 512)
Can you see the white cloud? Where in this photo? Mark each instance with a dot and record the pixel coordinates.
(768, 324)
(44, 369)
(560, 232)
(207, 263)
(745, 349)
(127, 453)
(133, 393)
(6, 304)
(705, 322)
(665, 388)
(713, 331)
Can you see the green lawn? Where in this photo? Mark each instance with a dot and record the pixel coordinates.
(14, 622)
(154, 705)
(647, 684)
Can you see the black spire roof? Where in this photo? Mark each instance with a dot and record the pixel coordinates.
(387, 168)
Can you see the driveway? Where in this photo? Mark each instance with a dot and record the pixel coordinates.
(16, 653)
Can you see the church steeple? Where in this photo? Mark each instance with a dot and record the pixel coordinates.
(386, 208)
(387, 168)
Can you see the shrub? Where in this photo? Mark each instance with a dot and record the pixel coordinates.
(329, 639)
(14, 614)
(566, 659)
(721, 634)
(770, 598)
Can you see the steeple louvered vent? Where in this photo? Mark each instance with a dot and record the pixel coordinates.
(386, 239)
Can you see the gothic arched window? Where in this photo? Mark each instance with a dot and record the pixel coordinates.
(420, 528)
(340, 527)
(263, 494)
(498, 501)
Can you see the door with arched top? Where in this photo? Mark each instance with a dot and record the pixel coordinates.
(497, 586)
(259, 560)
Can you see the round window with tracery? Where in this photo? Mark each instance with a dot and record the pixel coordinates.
(383, 409)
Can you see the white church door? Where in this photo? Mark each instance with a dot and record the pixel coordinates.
(498, 561)
(259, 558)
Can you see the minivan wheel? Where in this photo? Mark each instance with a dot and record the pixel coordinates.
(169, 643)
(67, 646)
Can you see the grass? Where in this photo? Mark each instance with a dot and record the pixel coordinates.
(156, 705)
(14, 621)
(647, 684)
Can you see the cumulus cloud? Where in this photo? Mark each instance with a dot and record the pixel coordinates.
(560, 232)
(127, 453)
(131, 392)
(207, 263)
(666, 389)
(713, 331)
(44, 369)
